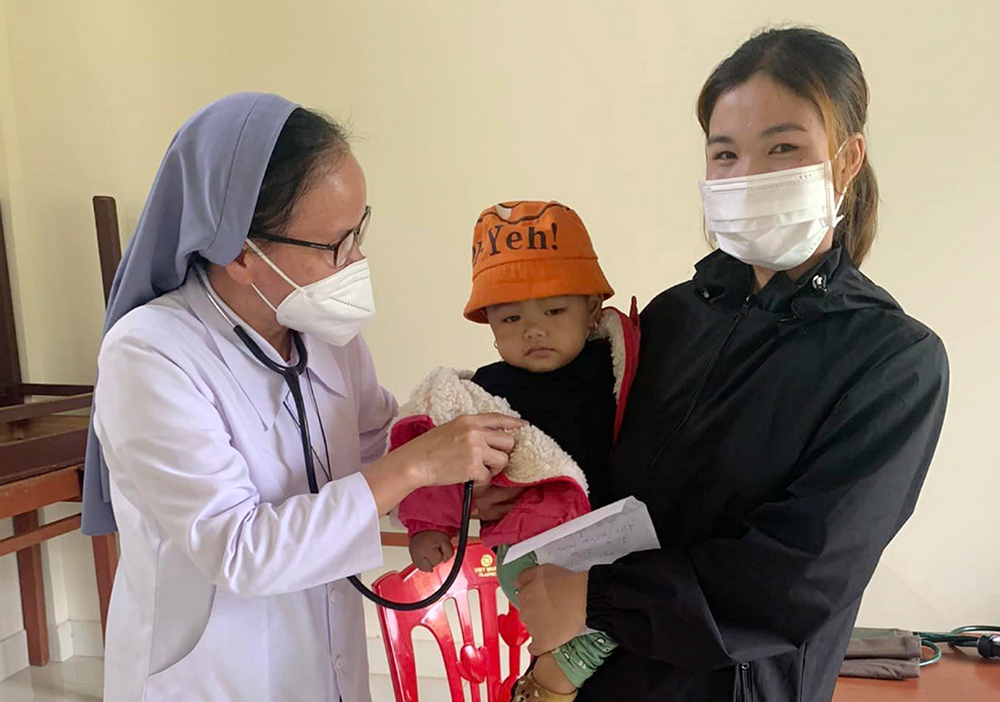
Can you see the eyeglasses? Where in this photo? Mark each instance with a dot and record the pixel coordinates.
(339, 252)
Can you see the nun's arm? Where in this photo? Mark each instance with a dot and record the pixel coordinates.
(169, 450)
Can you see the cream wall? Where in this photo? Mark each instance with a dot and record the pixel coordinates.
(459, 104)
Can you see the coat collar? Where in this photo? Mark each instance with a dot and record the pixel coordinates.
(834, 284)
(266, 390)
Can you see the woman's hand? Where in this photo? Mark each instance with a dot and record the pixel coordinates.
(553, 605)
(428, 548)
(473, 447)
(494, 502)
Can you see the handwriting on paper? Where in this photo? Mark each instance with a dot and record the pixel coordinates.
(600, 537)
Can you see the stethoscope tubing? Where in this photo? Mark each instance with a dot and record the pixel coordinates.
(291, 375)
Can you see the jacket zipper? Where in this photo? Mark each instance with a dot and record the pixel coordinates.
(740, 316)
(744, 687)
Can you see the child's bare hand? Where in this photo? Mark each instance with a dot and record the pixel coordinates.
(494, 502)
(428, 548)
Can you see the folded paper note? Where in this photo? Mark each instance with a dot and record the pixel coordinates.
(599, 537)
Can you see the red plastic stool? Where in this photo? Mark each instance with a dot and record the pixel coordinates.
(475, 664)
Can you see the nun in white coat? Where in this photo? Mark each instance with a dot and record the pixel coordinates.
(231, 581)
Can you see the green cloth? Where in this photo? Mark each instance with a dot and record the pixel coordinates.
(579, 658)
(886, 654)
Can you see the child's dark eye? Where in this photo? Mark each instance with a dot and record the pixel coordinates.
(725, 156)
(784, 149)
(511, 319)
(555, 311)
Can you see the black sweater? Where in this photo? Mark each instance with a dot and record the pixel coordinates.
(575, 405)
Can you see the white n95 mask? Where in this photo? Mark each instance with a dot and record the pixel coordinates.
(772, 220)
(334, 309)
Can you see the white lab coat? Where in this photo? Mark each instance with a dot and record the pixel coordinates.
(230, 585)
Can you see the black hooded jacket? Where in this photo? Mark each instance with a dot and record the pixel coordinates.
(780, 441)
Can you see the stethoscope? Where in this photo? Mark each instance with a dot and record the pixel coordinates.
(985, 639)
(292, 375)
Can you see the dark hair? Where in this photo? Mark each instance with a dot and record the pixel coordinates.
(305, 143)
(821, 69)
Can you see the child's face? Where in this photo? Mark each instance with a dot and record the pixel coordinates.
(545, 334)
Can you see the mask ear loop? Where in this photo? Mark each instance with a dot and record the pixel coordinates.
(837, 202)
(269, 262)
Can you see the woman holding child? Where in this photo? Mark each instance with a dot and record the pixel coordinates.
(783, 417)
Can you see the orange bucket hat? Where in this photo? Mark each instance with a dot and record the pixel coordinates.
(528, 250)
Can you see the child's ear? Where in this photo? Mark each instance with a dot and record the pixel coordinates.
(594, 308)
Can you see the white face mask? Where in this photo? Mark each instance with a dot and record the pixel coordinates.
(334, 309)
(772, 220)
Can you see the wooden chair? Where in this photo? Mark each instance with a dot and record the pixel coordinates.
(42, 451)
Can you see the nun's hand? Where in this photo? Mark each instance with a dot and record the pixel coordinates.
(472, 447)
(553, 605)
